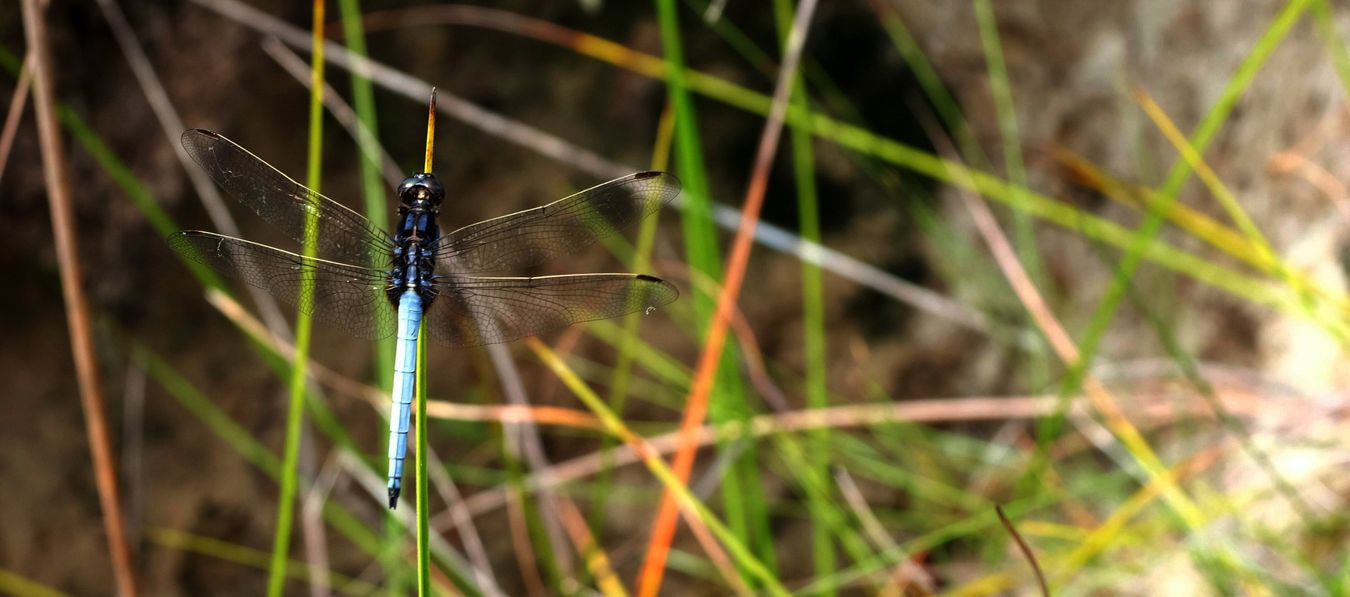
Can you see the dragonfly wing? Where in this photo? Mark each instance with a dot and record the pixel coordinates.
(530, 237)
(470, 311)
(343, 235)
(345, 296)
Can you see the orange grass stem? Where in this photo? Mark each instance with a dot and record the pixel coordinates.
(77, 305)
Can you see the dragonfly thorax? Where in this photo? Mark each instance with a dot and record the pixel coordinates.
(416, 238)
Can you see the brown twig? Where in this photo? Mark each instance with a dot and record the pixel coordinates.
(77, 307)
(16, 105)
(663, 528)
(1024, 548)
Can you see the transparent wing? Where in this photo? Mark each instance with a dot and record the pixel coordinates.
(344, 296)
(469, 311)
(343, 235)
(530, 237)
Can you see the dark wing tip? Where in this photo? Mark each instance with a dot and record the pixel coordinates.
(667, 182)
(661, 292)
(199, 142)
(188, 134)
(671, 179)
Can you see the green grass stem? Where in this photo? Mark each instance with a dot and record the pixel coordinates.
(423, 497)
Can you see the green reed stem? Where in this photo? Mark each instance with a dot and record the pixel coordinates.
(423, 529)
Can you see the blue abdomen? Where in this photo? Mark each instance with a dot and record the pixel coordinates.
(405, 377)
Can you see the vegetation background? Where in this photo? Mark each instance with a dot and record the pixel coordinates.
(1038, 294)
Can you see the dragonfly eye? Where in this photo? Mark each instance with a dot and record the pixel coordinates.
(421, 187)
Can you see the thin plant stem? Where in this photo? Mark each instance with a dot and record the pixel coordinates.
(1024, 548)
(16, 105)
(423, 504)
(295, 415)
(87, 376)
(423, 454)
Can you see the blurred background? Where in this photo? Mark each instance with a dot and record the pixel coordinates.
(1028, 297)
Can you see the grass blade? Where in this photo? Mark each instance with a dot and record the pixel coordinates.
(13, 583)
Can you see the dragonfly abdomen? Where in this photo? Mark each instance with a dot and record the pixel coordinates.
(405, 376)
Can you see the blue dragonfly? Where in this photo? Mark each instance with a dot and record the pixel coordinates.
(370, 284)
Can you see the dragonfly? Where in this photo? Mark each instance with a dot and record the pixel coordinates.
(373, 284)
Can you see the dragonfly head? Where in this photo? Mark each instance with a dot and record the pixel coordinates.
(420, 189)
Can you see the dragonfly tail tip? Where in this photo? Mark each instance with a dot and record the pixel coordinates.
(393, 498)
